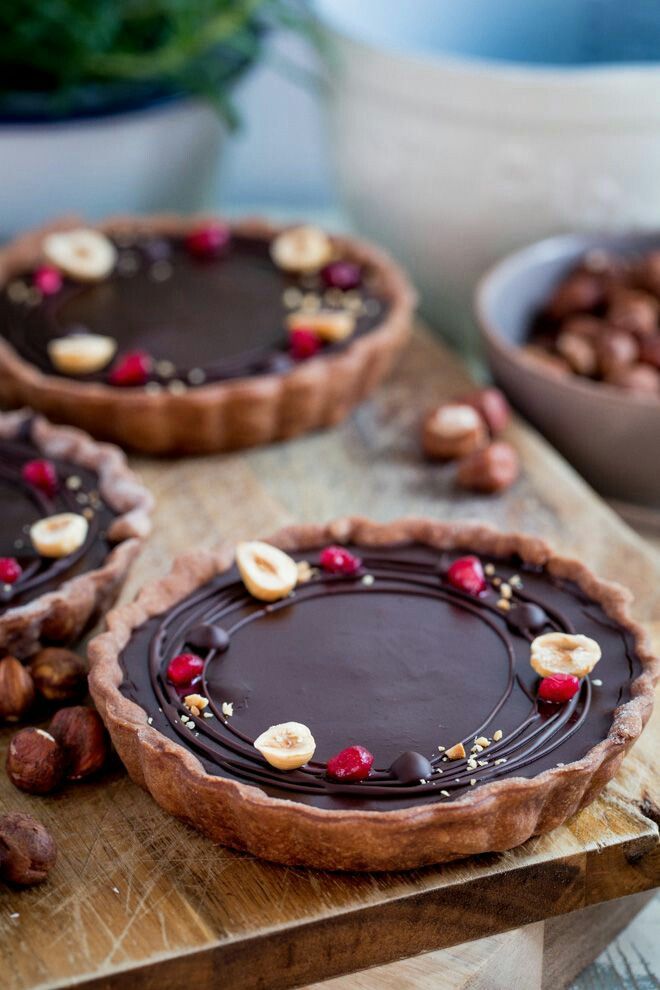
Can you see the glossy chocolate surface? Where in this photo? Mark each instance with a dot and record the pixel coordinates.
(200, 320)
(21, 505)
(401, 664)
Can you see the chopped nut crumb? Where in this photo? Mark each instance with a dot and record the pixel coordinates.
(504, 605)
(597, 682)
(166, 369)
(208, 714)
(477, 748)
(489, 569)
(292, 297)
(445, 793)
(195, 703)
(483, 742)
(497, 735)
(502, 759)
(368, 579)
(505, 590)
(73, 482)
(515, 581)
(150, 720)
(473, 781)
(497, 582)
(561, 764)
(305, 571)
(456, 752)
(482, 763)
(441, 749)
(227, 708)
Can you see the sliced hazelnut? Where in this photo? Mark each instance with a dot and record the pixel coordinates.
(452, 430)
(59, 535)
(287, 746)
(59, 674)
(35, 761)
(331, 325)
(16, 689)
(267, 573)
(492, 406)
(616, 349)
(564, 653)
(578, 293)
(456, 752)
(301, 249)
(633, 311)
(490, 470)
(82, 736)
(82, 353)
(27, 849)
(85, 255)
(640, 378)
(579, 351)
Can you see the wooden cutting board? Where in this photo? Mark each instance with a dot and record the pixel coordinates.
(138, 899)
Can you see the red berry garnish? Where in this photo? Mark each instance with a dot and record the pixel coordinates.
(41, 474)
(10, 570)
(338, 560)
(467, 574)
(208, 241)
(353, 763)
(48, 280)
(303, 344)
(133, 368)
(559, 687)
(184, 668)
(342, 275)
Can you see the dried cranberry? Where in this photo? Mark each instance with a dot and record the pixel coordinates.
(338, 560)
(208, 241)
(353, 763)
(41, 474)
(558, 687)
(10, 570)
(342, 275)
(48, 280)
(133, 368)
(467, 574)
(303, 344)
(184, 668)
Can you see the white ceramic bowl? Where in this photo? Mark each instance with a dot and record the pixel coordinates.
(456, 139)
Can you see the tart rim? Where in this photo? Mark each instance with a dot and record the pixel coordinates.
(71, 604)
(496, 816)
(210, 417)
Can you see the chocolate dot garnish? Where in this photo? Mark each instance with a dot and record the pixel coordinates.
(404, 666)
(411, 768)
(527, 618)
(207, 636)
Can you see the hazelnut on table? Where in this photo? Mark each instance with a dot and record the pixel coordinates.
(490, 470)
(453, 430)
(492, 406)
(35, 761)
(59, 674)
(16, 689)
(27, 849)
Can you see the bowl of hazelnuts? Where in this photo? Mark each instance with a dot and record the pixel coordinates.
(571, 327)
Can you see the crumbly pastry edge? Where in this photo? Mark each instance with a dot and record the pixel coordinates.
(60, 616)
(495, 817)
(218, 416)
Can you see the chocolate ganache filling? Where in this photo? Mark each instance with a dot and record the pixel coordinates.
(24, 503)
(393, 658)
(198, 320)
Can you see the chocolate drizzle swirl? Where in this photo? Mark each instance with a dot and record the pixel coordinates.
(497, 688)
(23, 504)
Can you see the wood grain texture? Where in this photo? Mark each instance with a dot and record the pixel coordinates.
(139, 899)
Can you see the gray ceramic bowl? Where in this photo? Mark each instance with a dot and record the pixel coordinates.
(612, 437)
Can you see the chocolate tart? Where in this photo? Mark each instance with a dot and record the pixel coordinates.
(55, 599)
(221, 375)
(392, 658)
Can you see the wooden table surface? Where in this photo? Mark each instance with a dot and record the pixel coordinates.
(139, 899)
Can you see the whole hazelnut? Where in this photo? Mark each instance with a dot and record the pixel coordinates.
(35, 761)
(633, 311)
(490, 470)
(578, 293)
(452, 430)
(649, 350)
(640, 378)
(648, 272)
(16, 689)
(579, 351)
(81, 734)
(58, 674)
(616, 349)
(492, 406)
(584, 326)
(27, 849)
